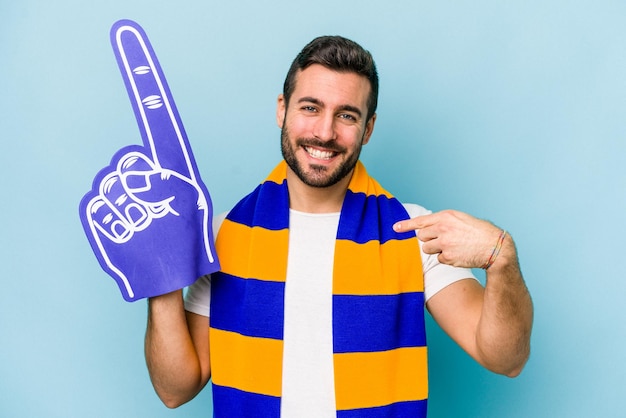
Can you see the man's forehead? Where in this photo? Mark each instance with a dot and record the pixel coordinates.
(316, 78)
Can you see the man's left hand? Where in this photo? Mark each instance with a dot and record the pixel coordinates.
(461, 240)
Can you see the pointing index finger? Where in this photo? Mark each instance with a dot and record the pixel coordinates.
(159, 123)
(418, 222)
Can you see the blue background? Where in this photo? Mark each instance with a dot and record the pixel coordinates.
(510, 110)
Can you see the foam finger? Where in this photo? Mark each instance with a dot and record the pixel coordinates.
(153, 104)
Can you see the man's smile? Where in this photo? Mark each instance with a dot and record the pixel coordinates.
(319, 153)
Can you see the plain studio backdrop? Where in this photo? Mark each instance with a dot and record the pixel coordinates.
(510, 110)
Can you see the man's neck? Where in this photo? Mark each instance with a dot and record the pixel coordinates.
(305, 198)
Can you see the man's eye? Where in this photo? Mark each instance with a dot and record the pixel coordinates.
(347, 116)
(309, 108)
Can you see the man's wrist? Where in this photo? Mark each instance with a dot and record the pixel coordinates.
(506, 260)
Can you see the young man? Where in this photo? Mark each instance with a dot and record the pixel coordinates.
(318, 309)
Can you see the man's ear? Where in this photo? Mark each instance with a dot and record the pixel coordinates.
(281, 107)
(369, 129)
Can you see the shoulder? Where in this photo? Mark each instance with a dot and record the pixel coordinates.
(416, 210)
(437, 276)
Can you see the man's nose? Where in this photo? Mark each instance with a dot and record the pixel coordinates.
(324, 128)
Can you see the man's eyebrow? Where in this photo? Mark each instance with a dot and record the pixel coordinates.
(346, 107)
(313, 100)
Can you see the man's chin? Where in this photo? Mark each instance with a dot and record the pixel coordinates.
(320, 177)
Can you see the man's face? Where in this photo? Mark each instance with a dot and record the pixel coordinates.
(323, 127)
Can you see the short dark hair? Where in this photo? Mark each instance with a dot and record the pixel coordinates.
(340, 54)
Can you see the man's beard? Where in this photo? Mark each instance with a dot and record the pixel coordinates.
(318, 175)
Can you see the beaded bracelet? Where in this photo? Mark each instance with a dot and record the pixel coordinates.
(496, 251)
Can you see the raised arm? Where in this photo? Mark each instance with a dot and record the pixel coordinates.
(492, 324)
(177, 349)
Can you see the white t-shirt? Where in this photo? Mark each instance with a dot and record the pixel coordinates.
(308, 373)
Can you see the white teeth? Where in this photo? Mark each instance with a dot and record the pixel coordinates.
(322, 155)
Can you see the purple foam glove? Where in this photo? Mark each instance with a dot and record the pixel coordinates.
(148, 215)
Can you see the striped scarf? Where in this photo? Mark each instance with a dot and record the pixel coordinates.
(379, 341)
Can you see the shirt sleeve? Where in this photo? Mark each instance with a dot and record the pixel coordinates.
(198, 295)
(437, 276)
